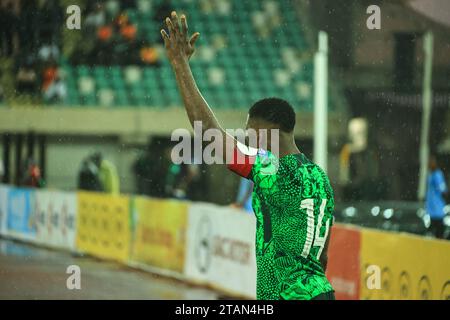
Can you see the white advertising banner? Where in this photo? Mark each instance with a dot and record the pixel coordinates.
(3, 208)
(55, 213)
(220, 248)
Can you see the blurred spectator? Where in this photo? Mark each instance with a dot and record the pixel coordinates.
(48, 52)
(359, 173)
(56, 92)
(196, 186)
(151, 167)
(128, 32)
(95, 18)
(53, 86)
(121, 21)
(148, 55)
(142, 171)
(85, 51)
(434, 201)
(26, 78)
(108, 176)
(111, 38)
(173, 187)
(88, 177)
(8, 26)
(148, 171)
(244, 196)
(49, 74)
(32, 177)
(180, 180)
(105, 33)
(185, 180)
(128, 44)
(125, 45)
(102, 51)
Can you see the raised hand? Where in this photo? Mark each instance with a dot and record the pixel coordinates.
(179, 46)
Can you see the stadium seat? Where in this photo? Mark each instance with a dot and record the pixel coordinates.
(106, 97)
(86, 85)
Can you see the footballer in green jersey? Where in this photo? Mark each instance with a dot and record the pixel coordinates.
(292, 198)
(293, 207)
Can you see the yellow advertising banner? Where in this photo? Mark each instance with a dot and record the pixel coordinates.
(160, 231)
(404, 267)
(103, 225)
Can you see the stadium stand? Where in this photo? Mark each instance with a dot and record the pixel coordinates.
(240, 57)
(261, 60)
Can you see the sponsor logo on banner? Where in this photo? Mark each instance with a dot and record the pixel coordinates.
(3, 209)
(103, 225)
(20, 214)
(412, 267)
(220, 248)
(56, 218)
(160, 233)
(343, 270)
(203, 244)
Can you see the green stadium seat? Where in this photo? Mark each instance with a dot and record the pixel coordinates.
(83, 70)
(144, 7)
(121, 98)
(106, 97)
(86, 85)
(89, 100)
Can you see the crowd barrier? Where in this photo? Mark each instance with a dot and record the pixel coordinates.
(213, 245)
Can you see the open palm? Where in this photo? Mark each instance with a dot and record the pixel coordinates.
(177, 42)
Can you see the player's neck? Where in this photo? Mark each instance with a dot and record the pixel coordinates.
(287, 146)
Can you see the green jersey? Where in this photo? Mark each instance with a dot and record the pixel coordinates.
(293, 202)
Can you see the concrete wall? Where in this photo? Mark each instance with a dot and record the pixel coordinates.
(130, 124)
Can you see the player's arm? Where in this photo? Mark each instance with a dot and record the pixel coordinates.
(179, 49)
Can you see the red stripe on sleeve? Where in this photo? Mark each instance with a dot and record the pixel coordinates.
(241, 164)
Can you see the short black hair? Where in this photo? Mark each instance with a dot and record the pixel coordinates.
(276, 111)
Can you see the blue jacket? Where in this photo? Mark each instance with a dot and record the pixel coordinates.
(434, 201)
